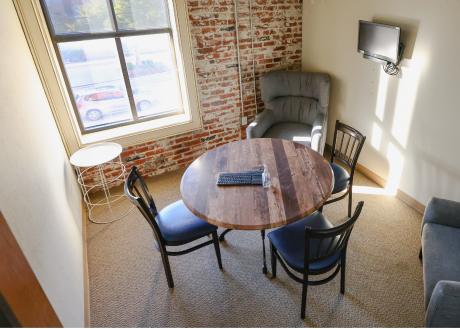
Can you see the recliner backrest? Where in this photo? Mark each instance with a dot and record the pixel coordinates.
(294, 109)
(279, 83)
(300, 94)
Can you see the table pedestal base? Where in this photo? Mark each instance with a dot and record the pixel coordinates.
(222, 235)
(264, 266)
(262, 233)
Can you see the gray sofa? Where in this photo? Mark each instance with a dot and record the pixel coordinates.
(295, 108)
(441, 262)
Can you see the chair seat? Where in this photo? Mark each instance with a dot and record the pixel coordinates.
(292, 131)
(290, 242)
(177, 223)
(341, 178)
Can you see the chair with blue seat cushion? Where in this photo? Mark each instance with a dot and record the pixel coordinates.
(174, 225)
(312, 246)
(347, 150)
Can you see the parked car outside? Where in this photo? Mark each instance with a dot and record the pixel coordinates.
(101, 101)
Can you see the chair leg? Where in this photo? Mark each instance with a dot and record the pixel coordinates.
(304, 296)
(164, 257)
(215, 239)
(350, 200)
(273, 259)
(342, 273)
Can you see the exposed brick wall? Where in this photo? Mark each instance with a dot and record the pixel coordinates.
(277, 26)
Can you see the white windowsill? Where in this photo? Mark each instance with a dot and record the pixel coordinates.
(141, 131)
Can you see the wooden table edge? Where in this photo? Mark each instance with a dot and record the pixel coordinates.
(255, 227)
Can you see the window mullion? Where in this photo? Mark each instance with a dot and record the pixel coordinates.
(176, 70)
(69, 88)
(114, 16)
(124, 69)
(108, 35)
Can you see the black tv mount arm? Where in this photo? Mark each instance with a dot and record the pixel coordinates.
(402, 46)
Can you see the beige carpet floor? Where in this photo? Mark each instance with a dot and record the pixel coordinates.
(384, 286)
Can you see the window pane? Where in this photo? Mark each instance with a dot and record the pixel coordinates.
(79, 16)
(152, 73)
(140, 14)
(94, 72)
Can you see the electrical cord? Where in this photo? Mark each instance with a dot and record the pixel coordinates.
(391, 68)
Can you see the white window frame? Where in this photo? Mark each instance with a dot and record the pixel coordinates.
(36, 31)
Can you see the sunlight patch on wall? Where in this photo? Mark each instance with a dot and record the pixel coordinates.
(396, 166)
(405, 101)
(382, 95)
(376, 137)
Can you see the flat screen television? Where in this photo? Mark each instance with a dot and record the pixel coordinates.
(379, 42)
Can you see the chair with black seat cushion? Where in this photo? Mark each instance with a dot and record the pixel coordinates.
(174, 225)
(347, 150)
(312, 246)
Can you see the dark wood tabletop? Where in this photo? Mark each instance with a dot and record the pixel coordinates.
(301, 181)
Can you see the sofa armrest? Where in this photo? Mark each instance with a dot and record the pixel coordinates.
(442, 212)
(318, 133)
(443, 309)
(261, 124)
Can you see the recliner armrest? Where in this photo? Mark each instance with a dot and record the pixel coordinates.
(318, 133)
(261, 124)
(442, 212)
(443, 309)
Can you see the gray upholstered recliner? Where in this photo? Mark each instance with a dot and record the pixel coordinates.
(295, 108)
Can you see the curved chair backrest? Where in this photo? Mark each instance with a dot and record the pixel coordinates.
(278, 83)
(349, 147)
(137, 192)
(330, 241)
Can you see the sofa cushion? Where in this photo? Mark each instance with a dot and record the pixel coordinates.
(441, 256)
(292, 131)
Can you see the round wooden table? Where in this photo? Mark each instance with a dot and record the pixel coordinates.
(301, 181)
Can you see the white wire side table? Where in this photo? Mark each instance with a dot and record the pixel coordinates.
(99, 157)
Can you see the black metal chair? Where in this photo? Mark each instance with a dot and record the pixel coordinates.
(312, 246)
(349, 156)
(174, 225)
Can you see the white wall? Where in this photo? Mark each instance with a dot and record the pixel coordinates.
(417, 116)
(39, 195)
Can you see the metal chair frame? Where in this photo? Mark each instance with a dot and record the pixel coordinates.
(347, 156)
(143, 200)
(338, 237)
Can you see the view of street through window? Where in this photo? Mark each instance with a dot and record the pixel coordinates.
(139, 30)
(94, 72)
